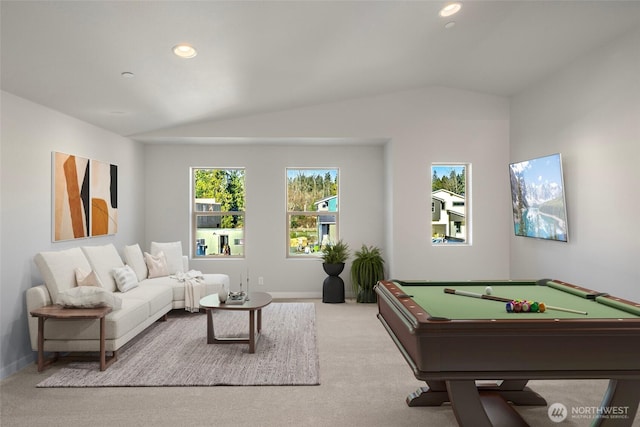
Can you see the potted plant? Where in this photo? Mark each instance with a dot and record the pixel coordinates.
(367, 269)
(334, 256)
(333, 259)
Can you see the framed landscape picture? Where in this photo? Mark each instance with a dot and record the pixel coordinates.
(537, 194)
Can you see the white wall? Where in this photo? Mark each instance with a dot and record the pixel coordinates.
(422, 126)
(361, 206)
(29, 134)
(589, 112)
(389, 182)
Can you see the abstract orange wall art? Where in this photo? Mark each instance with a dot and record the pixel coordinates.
(71, 197)
(85, 197)
(104, 198)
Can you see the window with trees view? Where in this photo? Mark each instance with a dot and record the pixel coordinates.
(312, 210)
(218, 212)
(449, 207)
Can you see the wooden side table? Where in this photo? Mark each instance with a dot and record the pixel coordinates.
(58, 312)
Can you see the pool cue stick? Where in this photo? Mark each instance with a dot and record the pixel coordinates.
(567, 310)
(502, 299)
(476, 295)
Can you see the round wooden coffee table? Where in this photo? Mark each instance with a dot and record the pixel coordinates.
(257, 300)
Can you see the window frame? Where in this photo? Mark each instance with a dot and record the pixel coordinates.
(195, 214)
(289, 214)
(465, 204)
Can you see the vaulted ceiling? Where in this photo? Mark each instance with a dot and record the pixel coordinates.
(262, 56)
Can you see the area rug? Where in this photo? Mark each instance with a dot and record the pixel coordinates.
(176, 353)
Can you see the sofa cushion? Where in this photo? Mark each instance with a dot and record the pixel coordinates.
(58, 269)
(103, 260)
(125, 278)
(84, 278)
(212, 284)
(173, 252)
(88, 297)
(157, 265)
(133, 256)
(117, 323)
(157, 297)
(177, 288)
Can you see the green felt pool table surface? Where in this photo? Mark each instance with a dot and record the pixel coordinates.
(450, 341)
(438, 304)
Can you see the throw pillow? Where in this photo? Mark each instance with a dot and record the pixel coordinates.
(87, 279)
(173, 252)
(126, 278)
(57, 269)
(157, 265)
(133, 256)
(88, 297)
(103, 260)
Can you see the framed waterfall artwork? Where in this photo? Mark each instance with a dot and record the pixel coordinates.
(104, 198)
(85, 197)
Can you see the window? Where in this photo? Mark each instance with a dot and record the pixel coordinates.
(218, 212)
(312, 210)
(449, 208)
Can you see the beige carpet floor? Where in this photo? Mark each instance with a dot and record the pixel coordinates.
(364, 382)
(176, 353)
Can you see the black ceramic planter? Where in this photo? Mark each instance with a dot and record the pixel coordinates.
(333, 285)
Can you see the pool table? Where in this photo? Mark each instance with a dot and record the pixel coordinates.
(455, 337)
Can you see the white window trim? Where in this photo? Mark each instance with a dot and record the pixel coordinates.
(467, 203)
(194, 214)
(288, 213)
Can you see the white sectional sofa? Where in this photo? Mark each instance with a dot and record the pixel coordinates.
(143, 302)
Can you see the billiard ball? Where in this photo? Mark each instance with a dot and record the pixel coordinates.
(488, 290)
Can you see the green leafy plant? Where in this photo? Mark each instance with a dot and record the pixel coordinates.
(366, 270)
(335, 254)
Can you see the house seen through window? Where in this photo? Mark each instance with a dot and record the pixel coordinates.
(449, 207)
(218, 212)
(312, 210)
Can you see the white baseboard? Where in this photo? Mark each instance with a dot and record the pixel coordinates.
(301, 295)
(295, 295)
(16, 366)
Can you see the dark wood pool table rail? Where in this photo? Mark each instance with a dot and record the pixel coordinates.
(437, 350)
(422, 313)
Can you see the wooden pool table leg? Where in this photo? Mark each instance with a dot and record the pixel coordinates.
(486, 409)
(515, 391)
(435, 394)
(621, 395)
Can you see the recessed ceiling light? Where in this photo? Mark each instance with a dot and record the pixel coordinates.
(450, 9)
(127, 74)
(184, 50)
(450, 24)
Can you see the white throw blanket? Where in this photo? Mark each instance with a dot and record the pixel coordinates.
(193, 289)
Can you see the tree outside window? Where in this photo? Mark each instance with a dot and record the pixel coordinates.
(218, 212)
(449, 207)
(312, 210)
